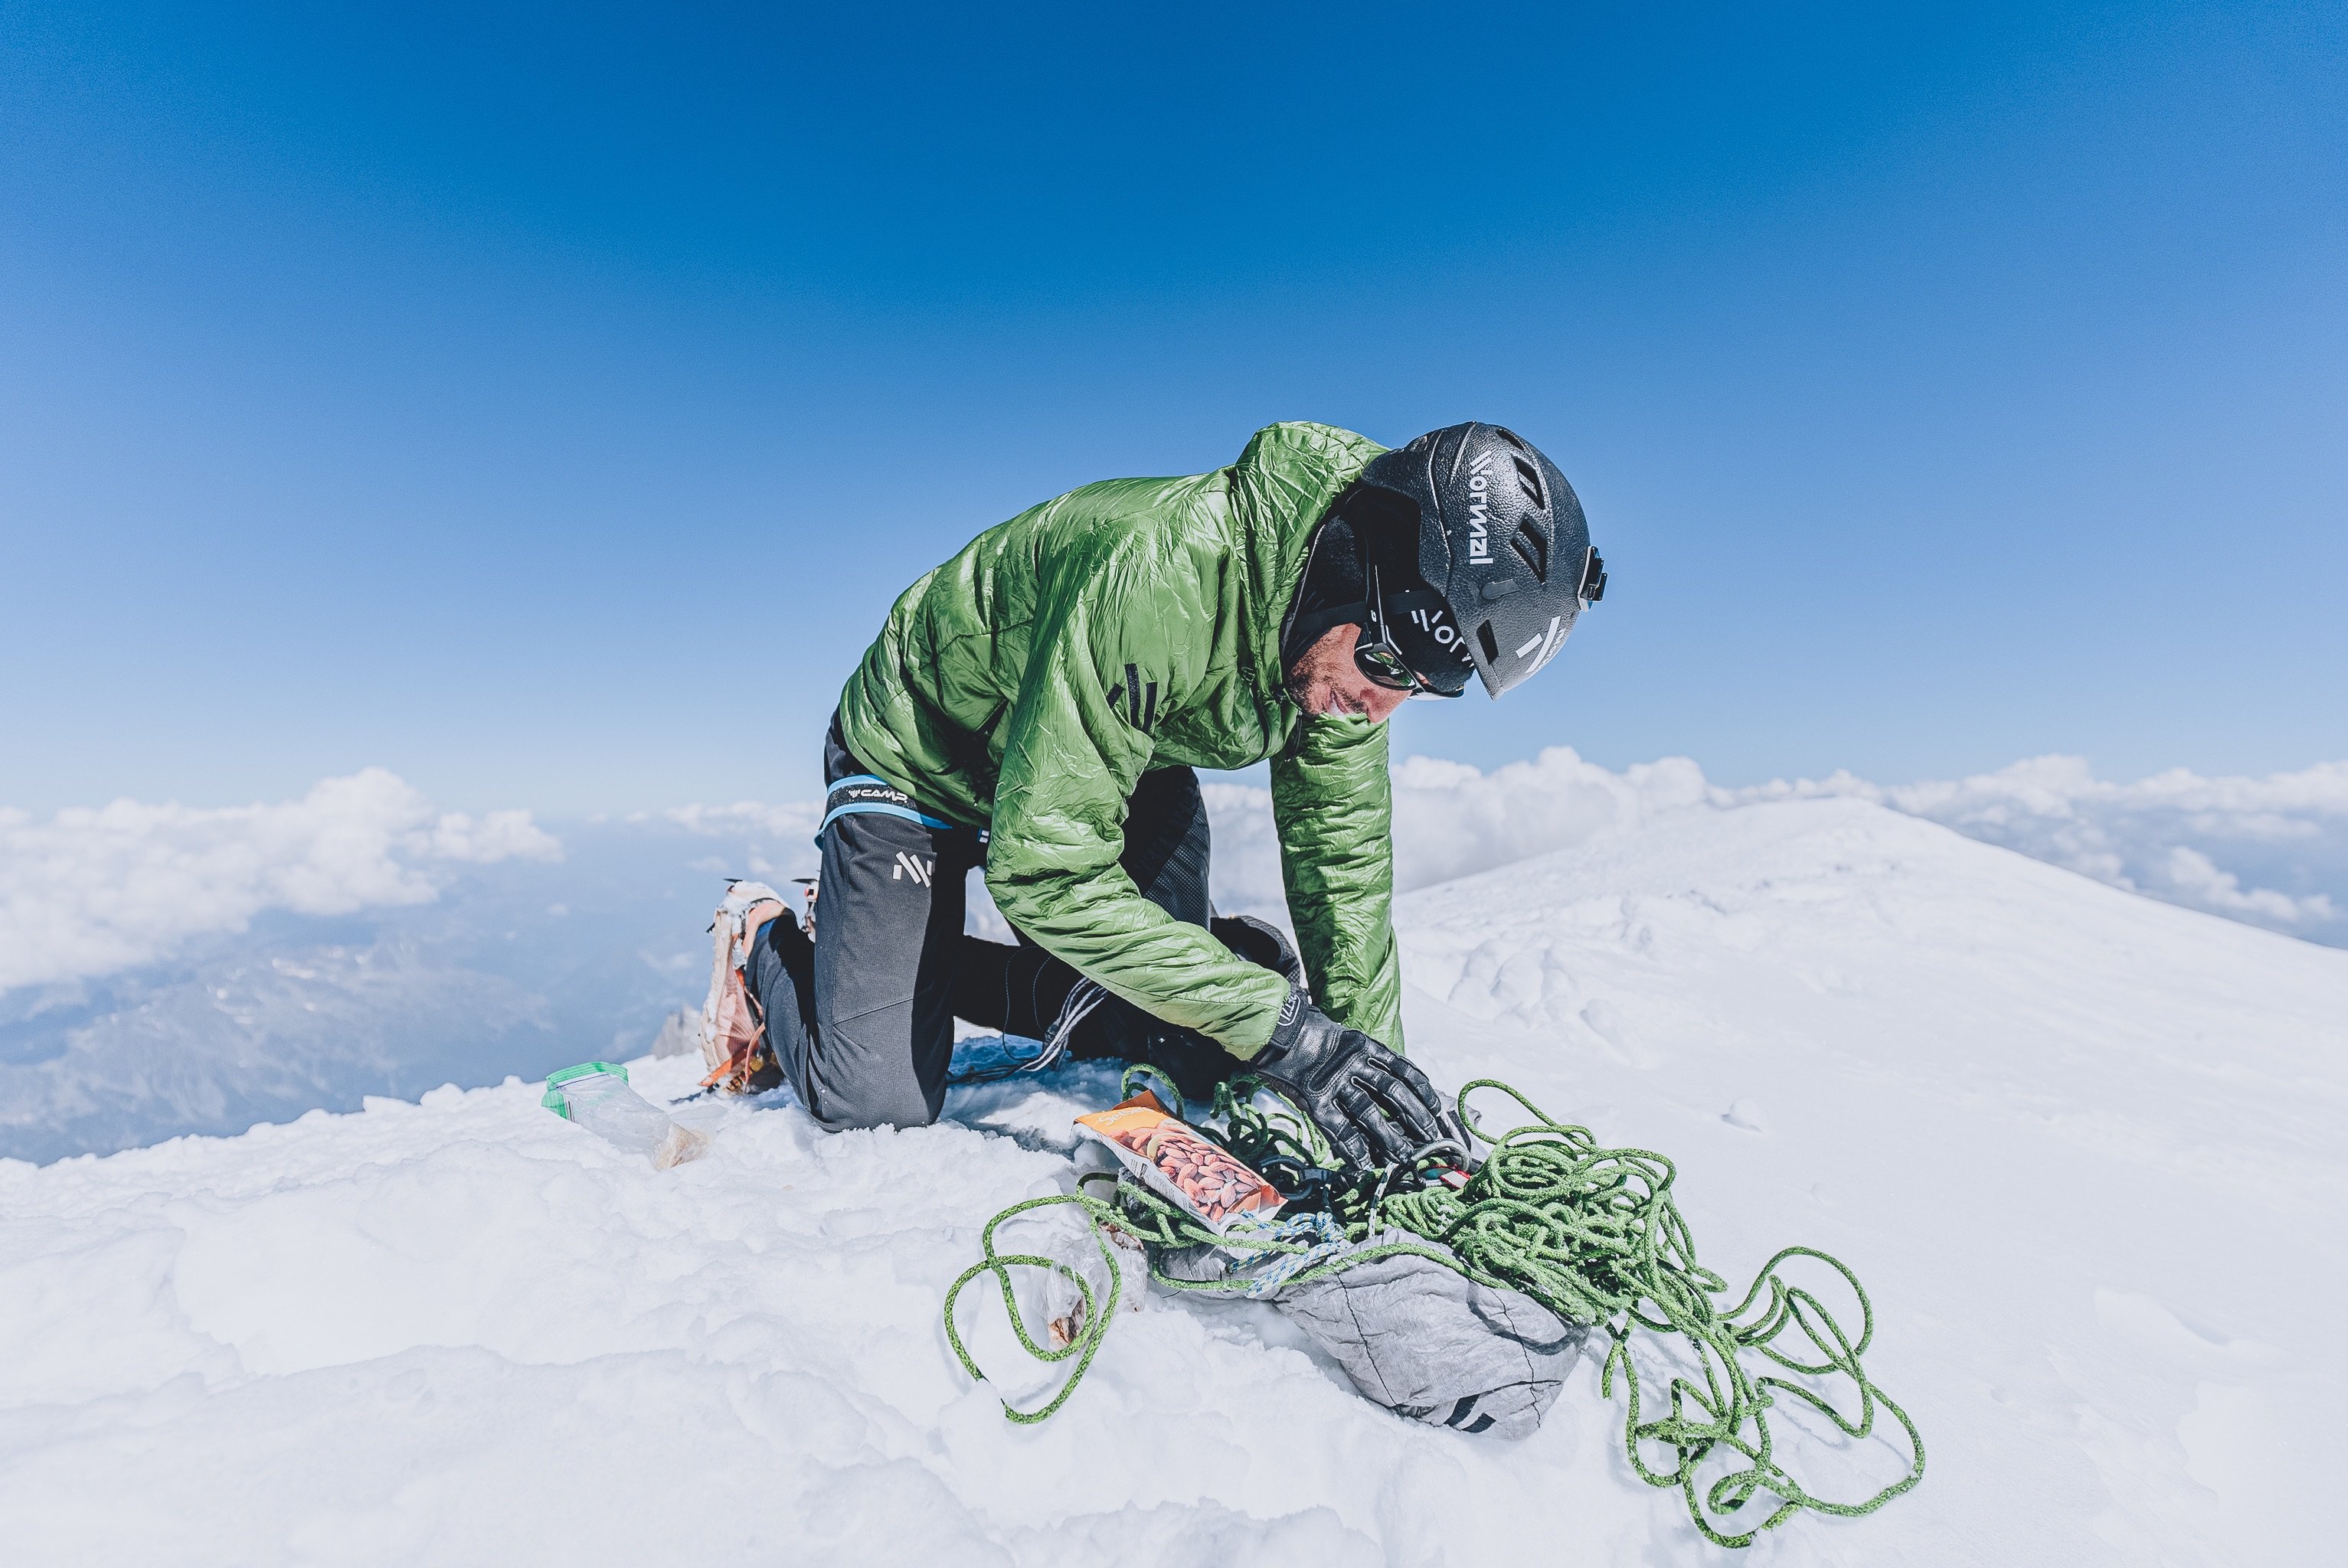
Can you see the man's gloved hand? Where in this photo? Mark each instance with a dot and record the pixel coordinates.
(1377, 1108)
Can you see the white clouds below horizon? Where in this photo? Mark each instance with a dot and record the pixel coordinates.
(2177, 836)
(143, 993)
(95, 891)
(2164, 836)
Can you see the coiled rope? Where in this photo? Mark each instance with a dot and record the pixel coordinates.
(1591, 1232)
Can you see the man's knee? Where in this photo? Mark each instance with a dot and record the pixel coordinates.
(871, 1069)
(911, 1114)
(853, 1111)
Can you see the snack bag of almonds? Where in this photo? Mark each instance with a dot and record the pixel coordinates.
(1171, 1157)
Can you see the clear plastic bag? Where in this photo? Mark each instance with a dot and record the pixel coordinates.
(1051, 1299)
(596, 1095)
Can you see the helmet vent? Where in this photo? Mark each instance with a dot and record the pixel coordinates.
(1530, 478)
(1532, 549)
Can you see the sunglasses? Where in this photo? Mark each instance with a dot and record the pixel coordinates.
(1381, 662)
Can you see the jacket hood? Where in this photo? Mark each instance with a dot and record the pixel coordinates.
(1280, 488)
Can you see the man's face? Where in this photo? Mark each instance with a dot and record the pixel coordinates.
(1325, 679)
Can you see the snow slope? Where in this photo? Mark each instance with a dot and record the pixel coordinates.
(2081, 1146)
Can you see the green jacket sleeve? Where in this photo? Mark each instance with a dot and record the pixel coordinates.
(1332, 804)
(1073, 752)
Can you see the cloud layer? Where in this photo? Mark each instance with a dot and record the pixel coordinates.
(1452, 820)
(2271, 851)
(2205, 843)
(92, 892)
(166, 968)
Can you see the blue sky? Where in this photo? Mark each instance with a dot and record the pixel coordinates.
(545, 402)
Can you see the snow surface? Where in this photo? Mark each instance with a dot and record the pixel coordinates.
(2081, 1146)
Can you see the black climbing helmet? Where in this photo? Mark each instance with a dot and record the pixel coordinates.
(1481, 553)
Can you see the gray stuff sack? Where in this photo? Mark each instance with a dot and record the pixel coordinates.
(1427, 1342)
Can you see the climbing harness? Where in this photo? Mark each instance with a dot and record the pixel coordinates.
(1592, 1234)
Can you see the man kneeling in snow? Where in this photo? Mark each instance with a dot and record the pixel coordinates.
(1036, 705)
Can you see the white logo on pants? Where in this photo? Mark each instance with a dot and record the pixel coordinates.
(912, 865)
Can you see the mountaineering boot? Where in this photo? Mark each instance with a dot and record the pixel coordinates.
(733, 1032)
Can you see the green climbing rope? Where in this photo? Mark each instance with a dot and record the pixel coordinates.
(1593, 1235)
(1093, 1323)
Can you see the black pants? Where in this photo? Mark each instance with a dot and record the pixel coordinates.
(862, 1019)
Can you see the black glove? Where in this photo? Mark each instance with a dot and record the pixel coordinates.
(1377, 1109)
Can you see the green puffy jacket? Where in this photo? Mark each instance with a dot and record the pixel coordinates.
(1026, 684)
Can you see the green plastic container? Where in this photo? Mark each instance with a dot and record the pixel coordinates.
(595, 1095)
(558, 1102)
